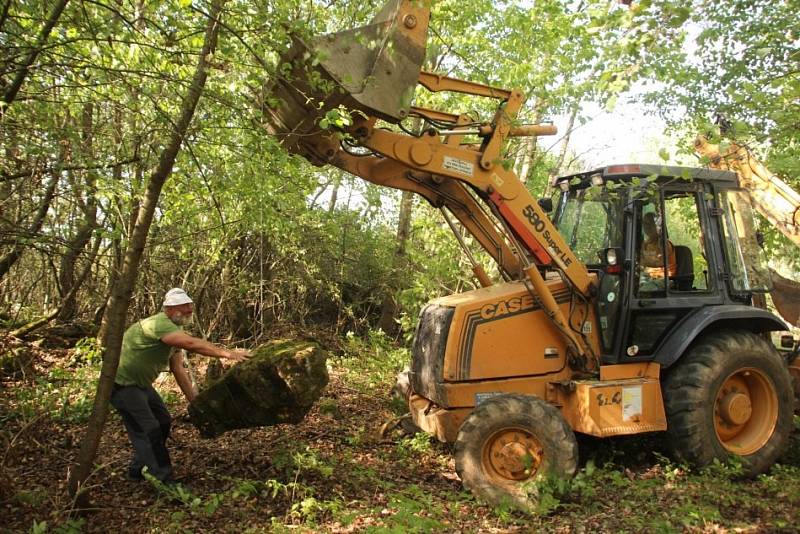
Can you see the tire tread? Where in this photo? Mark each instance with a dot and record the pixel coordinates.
(687, 398)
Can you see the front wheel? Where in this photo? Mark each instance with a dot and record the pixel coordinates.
(730, 395)
(509, 442)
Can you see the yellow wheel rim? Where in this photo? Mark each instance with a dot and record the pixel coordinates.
(745, 411)
(512, 454)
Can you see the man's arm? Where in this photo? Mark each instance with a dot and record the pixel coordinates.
(181, 376)
(183, 340)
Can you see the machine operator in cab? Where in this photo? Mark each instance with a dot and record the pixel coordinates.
(651, 257)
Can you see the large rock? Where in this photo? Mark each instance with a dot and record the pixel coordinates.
(278, 384)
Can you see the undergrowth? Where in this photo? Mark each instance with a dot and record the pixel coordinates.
(623, 485)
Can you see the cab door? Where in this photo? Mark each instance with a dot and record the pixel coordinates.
(671, 271)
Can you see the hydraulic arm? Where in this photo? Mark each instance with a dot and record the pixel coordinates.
(771, 196)
(370, 74)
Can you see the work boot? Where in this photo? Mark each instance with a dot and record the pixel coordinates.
(135, 474)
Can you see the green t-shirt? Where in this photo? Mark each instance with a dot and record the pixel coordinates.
(144, 355)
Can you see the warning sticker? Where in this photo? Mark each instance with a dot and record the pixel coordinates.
(631, 402)
(458, 165)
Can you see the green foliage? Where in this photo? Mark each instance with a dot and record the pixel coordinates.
(239, 220)
(329, 407)
(413, 446)
(732, 468)
(372, 360)
(62, 394)
(548, 493)
(87, 351)
(35, 497)
(413, 510)
(310, 509)
(70, 526)
(302, 459)
(730, 60)
(337, 118)
(243, 489)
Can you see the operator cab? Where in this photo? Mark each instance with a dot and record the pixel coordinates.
(664, 242)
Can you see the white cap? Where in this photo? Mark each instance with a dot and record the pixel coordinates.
(176, 296)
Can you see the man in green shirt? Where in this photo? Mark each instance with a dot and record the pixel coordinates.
(147, 349)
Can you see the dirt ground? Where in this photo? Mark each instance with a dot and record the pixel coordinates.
(335, 473)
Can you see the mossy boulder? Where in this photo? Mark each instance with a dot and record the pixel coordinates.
(279, 383)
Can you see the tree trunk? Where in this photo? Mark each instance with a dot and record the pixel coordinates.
(24, 330)
(528, 149)
(337, 181)
(525, 160)
(123, 290)
(556, 171)
(87, 201)
(4, 13)
(389, 306)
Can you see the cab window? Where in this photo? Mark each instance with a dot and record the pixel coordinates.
(686, 234)
(671, 249)
(746, 262)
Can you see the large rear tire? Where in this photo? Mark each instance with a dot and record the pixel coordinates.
(730, 395)
(509, 442)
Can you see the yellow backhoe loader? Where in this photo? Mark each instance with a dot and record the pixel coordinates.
(625, 309)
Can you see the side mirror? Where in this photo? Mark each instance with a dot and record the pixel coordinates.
(546, 204)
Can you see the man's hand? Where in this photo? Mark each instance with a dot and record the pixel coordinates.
(237, 355)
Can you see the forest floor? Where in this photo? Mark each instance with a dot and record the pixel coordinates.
(335, 473)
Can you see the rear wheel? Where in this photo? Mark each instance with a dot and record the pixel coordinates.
(510, 441)
(730, 395)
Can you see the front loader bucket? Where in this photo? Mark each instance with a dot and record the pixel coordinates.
(373, 68)
(786, 297)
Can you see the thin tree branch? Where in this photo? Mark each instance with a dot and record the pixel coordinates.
(4, 177)
(11, 92)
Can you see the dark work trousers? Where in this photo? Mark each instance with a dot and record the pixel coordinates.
(148, 422)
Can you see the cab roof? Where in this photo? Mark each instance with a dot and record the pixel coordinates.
(664, 173)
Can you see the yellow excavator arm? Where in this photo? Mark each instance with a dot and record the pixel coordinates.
(771, 196)
(327, 105)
